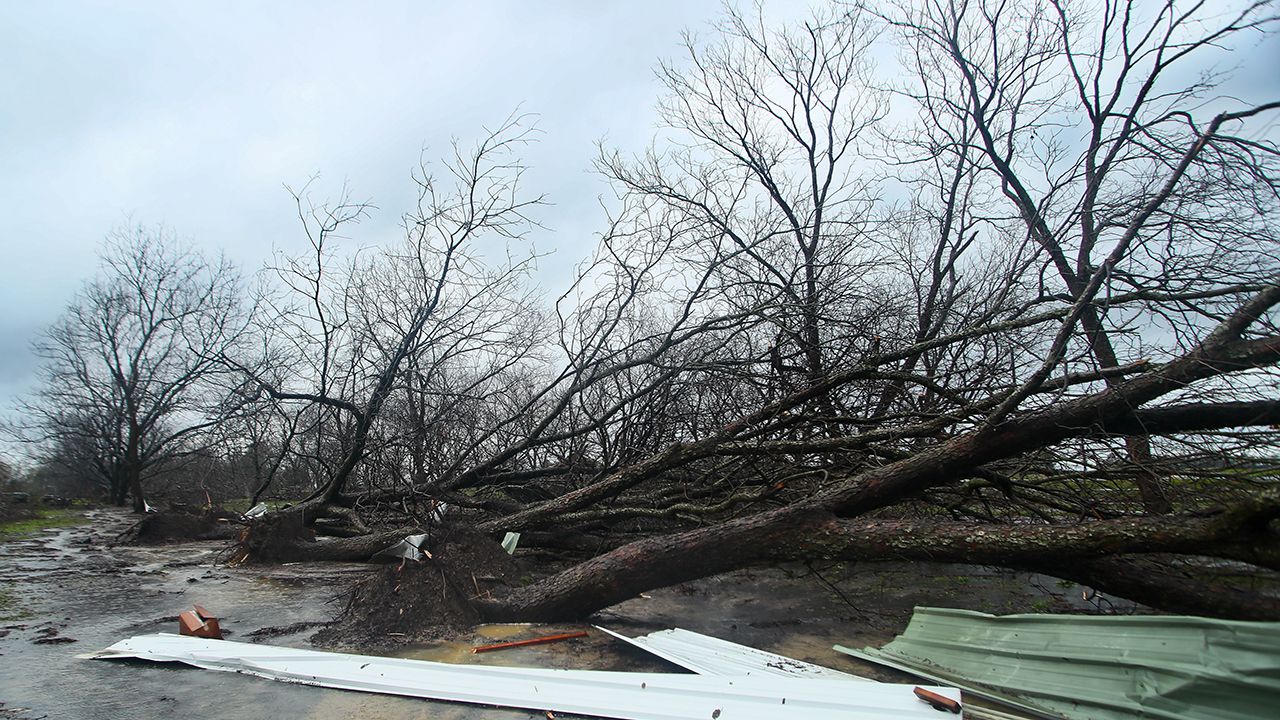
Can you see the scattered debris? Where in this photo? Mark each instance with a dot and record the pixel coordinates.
(510, 541)
(1096, 667)
(706, 655)
(627, 696)
(50, 636)
(199, 623)
(410, 548)
(290, 629)
(256, 511)
(533, 641)
(18, 713)
(938, 702)
(54, 640)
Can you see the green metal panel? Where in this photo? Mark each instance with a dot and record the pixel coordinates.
(1099, 667)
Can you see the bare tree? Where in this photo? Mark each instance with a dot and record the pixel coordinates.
(348, 336)
(130, 374)
(1108, 156)
(765, 172)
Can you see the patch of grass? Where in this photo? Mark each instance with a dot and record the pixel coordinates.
(44, 519)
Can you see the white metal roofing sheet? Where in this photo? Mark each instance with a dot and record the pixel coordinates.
(628, 696)
(707, 655)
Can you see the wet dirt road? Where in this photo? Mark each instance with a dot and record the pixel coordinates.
(78, 594)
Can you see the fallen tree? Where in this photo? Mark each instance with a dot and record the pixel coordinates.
(812, 528)
(1059, 354)
(834, 523)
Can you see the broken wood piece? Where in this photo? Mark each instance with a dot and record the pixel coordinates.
(938, 702)
(532, 641)
(199, 623)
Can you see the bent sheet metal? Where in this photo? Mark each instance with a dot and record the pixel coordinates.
(1096, 667)
(707, 655)
(627, 696)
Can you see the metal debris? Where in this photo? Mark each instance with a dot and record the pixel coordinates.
(410, 548)
(707, 655)
(1097, 667)
(627, 696)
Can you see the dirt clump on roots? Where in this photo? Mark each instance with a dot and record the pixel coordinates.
(181, 524)
(424, 600)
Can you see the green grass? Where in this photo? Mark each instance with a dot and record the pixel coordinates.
(45, 518)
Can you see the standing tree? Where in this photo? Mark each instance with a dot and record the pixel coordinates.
(130, 374)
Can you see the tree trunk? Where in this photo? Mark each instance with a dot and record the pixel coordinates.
(799, 534)
(283, 538)
(646, 564)
(1173, 586)
(135, 489)
(119, 491)
(132, 468)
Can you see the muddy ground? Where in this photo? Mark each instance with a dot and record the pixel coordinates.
(72, 592)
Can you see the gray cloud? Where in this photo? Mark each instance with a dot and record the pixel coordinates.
(193, 115)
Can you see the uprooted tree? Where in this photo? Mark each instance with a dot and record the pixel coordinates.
(1053, 351)
(1015, 306)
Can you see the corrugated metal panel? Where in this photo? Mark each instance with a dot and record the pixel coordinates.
(970, 690)
(707, 655)
(1099, 667)
(628, 696)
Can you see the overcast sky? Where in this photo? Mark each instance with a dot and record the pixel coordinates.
(194, 115)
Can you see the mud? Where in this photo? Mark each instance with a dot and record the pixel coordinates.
(73, 593)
